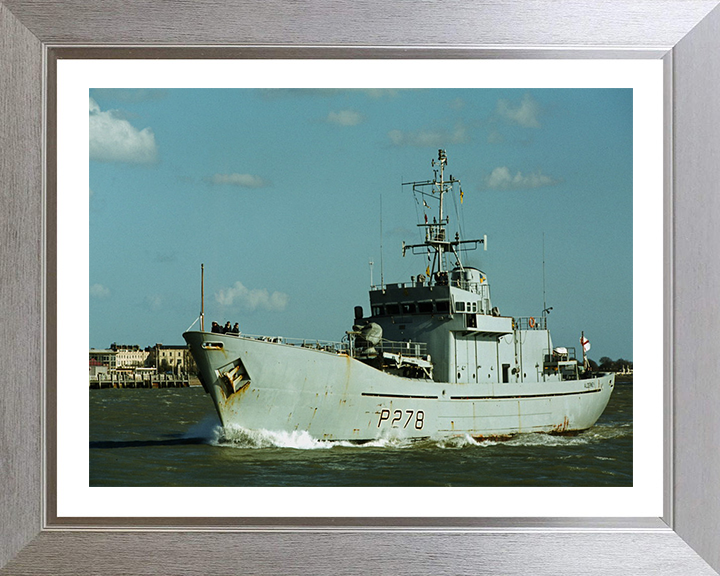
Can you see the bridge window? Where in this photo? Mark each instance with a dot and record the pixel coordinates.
(409, 308)
(425, 307)
(443, 306)
(392, 309)
(459, 306)
(377, 310)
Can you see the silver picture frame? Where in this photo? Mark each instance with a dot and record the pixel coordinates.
(684, 34)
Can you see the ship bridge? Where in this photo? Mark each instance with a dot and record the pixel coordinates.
(460, 301)
(446, 315)
(464, 290)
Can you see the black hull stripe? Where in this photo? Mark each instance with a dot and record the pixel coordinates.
(526, 396)
(398, 396)
(375, 395)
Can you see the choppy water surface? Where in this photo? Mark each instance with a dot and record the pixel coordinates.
(172, 437)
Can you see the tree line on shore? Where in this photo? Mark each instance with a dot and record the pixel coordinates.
(609, 365)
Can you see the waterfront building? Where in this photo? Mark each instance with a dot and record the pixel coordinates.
(129, 356)
(171, 357)
(102, 361)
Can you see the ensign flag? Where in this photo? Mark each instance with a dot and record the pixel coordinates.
(585, 343)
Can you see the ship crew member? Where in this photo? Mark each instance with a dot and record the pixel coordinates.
(227, 327)
(216, 328)
(235, 329)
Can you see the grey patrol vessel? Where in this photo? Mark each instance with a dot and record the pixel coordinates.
(433, 359)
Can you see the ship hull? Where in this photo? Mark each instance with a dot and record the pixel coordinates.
(262, 385)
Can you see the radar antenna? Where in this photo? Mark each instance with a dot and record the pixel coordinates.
(436, 239)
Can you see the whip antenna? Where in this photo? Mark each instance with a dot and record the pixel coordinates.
(202, 297)
(543, 270)
(382, 276)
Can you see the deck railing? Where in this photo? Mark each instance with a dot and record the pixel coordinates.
(326, 345)
(530, 323)
(555, 356)
(413, 349)
(408, 349)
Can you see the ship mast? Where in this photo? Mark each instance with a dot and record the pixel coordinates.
(435, 231)
(440, 188)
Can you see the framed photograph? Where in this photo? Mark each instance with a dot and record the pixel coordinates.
(253, 179)
(641, 99)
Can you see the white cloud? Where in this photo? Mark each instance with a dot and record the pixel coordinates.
(274, 93)
(154, 302)
(436, 138)
(381, 92)
(99, 291)
(131, 95)
(345, 118)
(524, 114)
(457, 104)
(501, 178)
(252, 299)
(495, 137)
(242, 180)
(113, 139)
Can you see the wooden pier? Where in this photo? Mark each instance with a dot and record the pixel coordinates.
(124, 380)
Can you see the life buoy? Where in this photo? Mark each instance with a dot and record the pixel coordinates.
(531, 322)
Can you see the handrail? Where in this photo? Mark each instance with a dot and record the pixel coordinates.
(413, 349)
(327, 345)
(408, 349)
(530, 323)
(570, 355)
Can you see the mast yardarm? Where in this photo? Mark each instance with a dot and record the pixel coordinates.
(436, 242)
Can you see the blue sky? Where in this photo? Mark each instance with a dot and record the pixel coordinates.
(278, 192)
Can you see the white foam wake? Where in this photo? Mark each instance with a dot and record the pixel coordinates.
(238, 437)
(233, 436)
(462, 442)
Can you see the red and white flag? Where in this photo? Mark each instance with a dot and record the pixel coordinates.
(585, 343)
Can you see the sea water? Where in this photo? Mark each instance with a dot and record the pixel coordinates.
(173, 437)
